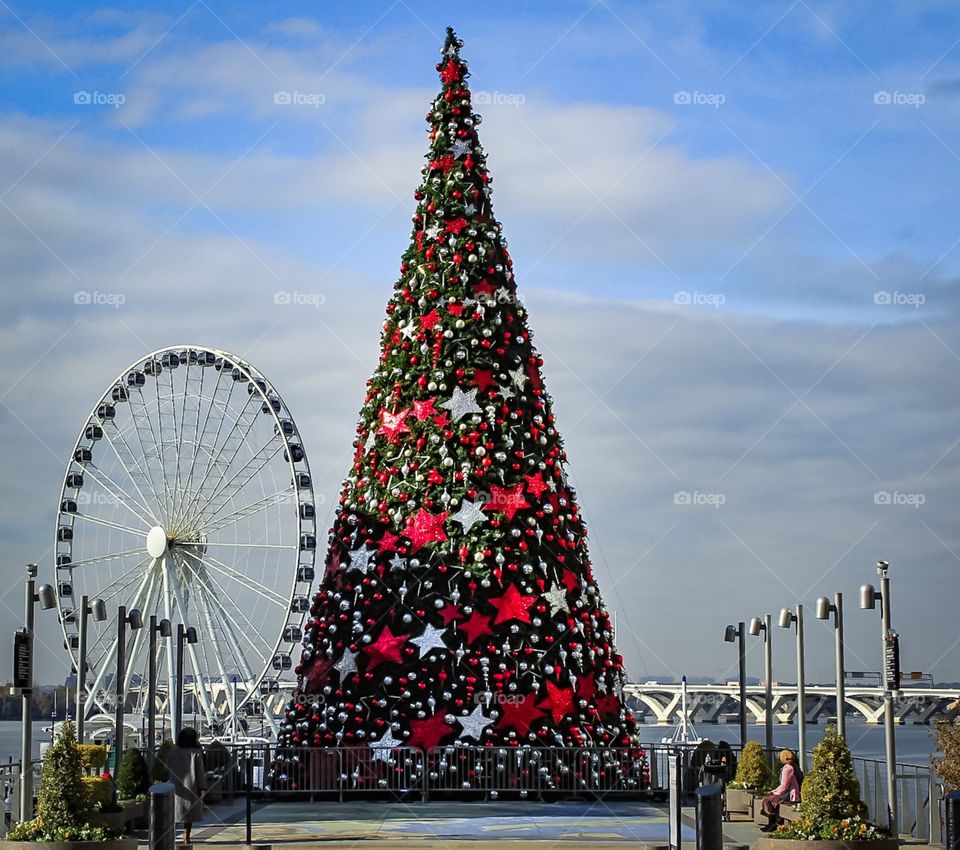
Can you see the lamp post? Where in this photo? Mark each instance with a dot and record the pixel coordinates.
(787, 619)
(868, 600)
(185, 634)
(824, 609)
(163, 629)
(99, 611)
(47, 598)
(737, 634)
(135, 621)
(765, 625)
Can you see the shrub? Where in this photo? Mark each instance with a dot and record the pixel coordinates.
(753, 769)
(92, 756)
(947, 731)
(831, 791)
(159, 771)
(133, 778)
(62, 800)
(99, 792)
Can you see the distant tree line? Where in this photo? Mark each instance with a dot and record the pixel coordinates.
(43, 701)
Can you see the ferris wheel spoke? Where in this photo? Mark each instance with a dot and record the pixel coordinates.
(104, 661)
(222, 401)
(128, 462)
(161, 448)
(122, 498)
(216, 599)
(242, 477)
(220, 463)
(102, 559)
(234, 635)
(145, 413)
(209, 561)
(218, 656)
(134, 649)
(249, 510)
(174, 589)
(195, 442)
(117, 587)
(194, 398)
(109, 524)
(211, 543)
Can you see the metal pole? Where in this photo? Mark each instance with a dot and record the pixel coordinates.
(768, 673)
(841, 675)
(118, 689)
(152, 690)
(893, 814)
(801, 695)
(233, 708)
(26, 722)
(178, 702)
(742, 641)
(82, 669)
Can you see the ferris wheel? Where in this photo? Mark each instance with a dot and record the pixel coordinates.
(188, 496)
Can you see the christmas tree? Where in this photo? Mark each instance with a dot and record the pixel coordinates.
(458, 604)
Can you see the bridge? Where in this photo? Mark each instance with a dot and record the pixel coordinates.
(707, 703)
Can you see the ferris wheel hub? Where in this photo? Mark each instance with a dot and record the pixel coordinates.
(156, 542)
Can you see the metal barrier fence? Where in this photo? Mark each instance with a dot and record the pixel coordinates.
(449, 770)
(918, 796)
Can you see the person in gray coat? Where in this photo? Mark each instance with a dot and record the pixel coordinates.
(189, 778)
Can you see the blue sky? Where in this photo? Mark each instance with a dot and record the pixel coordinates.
(707, 204)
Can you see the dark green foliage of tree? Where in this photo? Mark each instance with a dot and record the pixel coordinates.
(63, 800)
(133, 778)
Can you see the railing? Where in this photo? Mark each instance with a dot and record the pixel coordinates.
(485, 772)
(918, 797)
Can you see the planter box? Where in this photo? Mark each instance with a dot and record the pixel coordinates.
(135, 813)
(117, 844)
(116, 822)
(767, 843)
(741, 801)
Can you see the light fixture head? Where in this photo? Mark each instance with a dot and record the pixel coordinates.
(135, 619)
(191, 635)
(882, 567)
(163, 627)
(731, 633)
(99, 610)
(32, 570)
(823, 608)
(47, 596)
(755, 626)
(786, 618)
(868, 597)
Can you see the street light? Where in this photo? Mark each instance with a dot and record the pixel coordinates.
(185, 634)
(99, 611)
(135, 621)
(765, 625)
(787, 619)
(47, 598)
(737, 634)
(868, 600)
(163, 629)
(824, 609)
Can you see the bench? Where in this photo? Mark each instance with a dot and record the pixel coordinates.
(788, 813)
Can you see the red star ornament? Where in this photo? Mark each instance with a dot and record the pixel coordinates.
(535, 484)
(483, 378)
(424, 409)
(425, 527)
(392, 424)
(387, 647)
(560, 701)
(513, 605)
(476, 626)
(569, 581)
(608, 704)
(388, 543)
(429, 320)
(448, 613)
(450, 72)
(507, 500)
(519, 715)
(426, 734)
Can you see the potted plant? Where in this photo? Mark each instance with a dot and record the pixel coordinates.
(831, 813)
(947, 731)
(64, 805)
(133, 781)
(752, 780)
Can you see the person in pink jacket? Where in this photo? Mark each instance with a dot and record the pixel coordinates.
(788, 789)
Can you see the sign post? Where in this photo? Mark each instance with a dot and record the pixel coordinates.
(674, 784)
